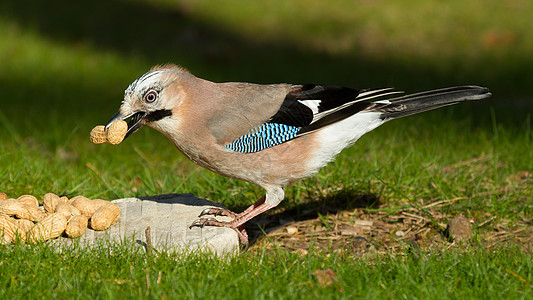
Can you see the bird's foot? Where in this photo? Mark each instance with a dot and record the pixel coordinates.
(239, 228)
(218, 212)
(238, 221)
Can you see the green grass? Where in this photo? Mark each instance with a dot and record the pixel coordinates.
(120, 271)
(64, 67)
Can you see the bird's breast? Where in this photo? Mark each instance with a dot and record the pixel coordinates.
(280, 165)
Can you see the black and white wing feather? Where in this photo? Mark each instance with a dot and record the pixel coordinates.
(308, 108)
(312, 107)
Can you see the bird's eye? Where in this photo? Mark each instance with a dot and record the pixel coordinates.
(151, 96)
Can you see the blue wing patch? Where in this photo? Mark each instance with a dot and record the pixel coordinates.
(266, 136)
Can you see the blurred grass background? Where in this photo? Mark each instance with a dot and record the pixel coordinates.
(64, 66)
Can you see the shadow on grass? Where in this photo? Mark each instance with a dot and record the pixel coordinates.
(344, 200)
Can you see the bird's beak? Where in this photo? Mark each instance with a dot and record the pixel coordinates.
(134, 123)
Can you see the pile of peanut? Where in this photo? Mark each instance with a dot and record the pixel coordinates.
(113, 135)
(23, 220)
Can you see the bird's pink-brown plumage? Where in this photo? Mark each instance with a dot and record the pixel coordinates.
(269, 135)
(211, 115)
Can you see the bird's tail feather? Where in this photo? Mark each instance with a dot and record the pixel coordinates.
(424, 101)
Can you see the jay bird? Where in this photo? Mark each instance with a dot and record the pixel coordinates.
(269, 135)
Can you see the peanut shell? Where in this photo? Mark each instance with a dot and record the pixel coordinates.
(23, 226)
(7, 229)
(32, 212)
(12, 207)
(50, 201)
(76, 198)
(28, 199)
(66, 210)
(88, 207)
(80, 198)
(3, 196)
(105, 216)
(76, 226)
(98, 135)
(49, 228)
(117, 132)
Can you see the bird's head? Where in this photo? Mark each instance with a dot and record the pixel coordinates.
(151, 99)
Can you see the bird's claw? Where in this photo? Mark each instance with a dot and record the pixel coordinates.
(241, 232)
(218, 212)
(201, 222)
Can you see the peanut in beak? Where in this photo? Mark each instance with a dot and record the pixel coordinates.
(114, 135)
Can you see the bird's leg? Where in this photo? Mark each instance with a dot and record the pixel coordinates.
(238, 223)
(272, 198)
(238, 219)
(228, 213)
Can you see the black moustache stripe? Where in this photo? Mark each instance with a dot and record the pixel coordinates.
(157, 115)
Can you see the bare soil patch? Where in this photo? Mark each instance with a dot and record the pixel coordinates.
(371, 227)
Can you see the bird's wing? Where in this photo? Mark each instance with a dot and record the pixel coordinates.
(307, 108)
